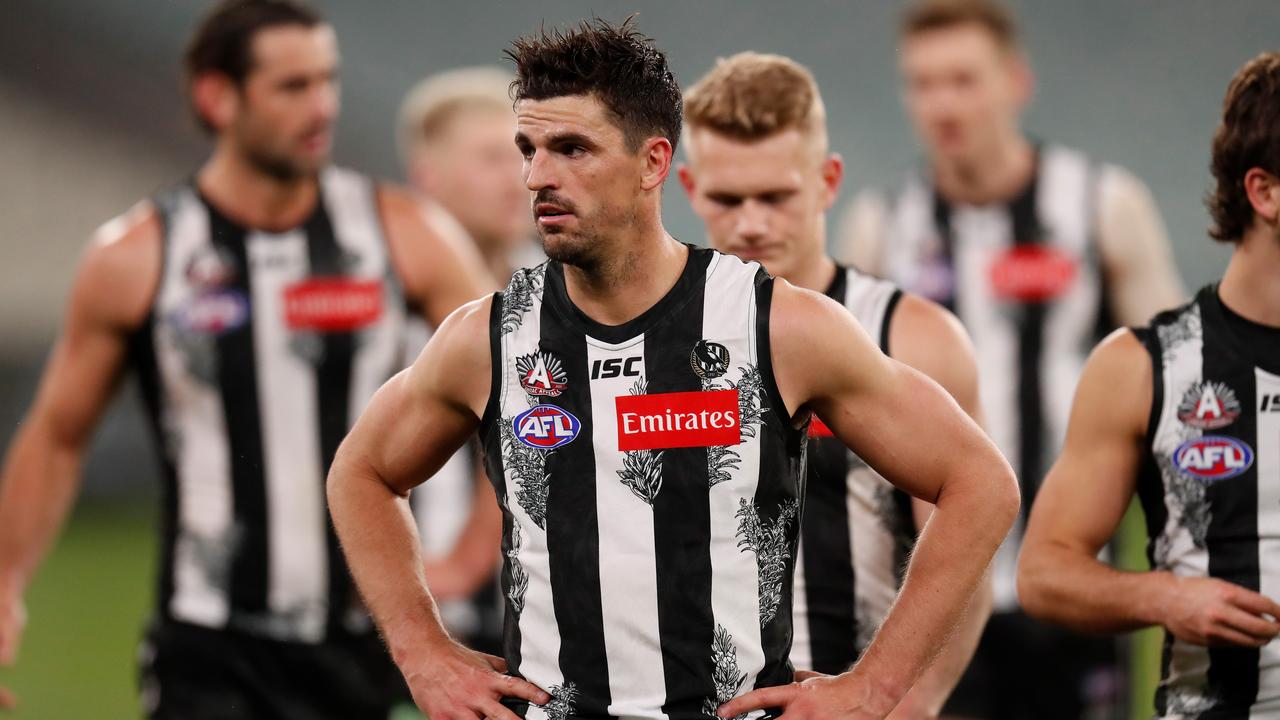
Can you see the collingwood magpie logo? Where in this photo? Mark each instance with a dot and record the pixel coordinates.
(709, 359)
(541, 374)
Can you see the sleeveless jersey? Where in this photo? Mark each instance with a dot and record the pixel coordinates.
(1210, 489)
(1026, 281)
(651, 484)
(857, 531)
(260, 351)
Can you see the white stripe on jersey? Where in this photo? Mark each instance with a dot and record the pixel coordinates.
(1176, 550)
(628, 590)
(735, 597)
(298, 568)
(195, 433)
(801, 642)
(1268, 469)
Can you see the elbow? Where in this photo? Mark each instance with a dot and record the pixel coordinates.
(1034, 594)
(1007, 501)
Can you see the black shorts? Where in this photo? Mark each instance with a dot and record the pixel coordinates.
(195, 673)
(1025, 668)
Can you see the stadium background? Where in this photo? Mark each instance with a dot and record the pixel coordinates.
(92, 117)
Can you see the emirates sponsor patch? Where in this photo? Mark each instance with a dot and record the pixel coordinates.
(678, 420)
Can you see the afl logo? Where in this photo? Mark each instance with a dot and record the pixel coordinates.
(709, 359)
(214, 312)
(545, 427)
(1209, 405)
(1213, 458)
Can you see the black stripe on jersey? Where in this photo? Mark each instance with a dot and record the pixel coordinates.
(1031, 320)
(239, 384)
(889, 309)
(143, 359)
(828, 554)
(573, 542)
(682, 519)
(1233, 524)
(333, 394)
(947, 239)
(781, 480)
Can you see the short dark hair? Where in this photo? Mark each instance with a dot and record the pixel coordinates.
(615, 63)
(223, 41)
(1248, 137)
(928, 15)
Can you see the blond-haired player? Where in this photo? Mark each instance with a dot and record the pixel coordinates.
(761, 176)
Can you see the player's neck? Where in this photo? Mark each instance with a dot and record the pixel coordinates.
(253, 198)
(620, 290)
(1250, 287)
(995, 176)
(815, 273)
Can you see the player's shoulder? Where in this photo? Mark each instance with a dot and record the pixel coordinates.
(926, 322)
(121, 266)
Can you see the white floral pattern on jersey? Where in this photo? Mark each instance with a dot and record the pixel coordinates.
(771, 543)
(563, 701)
(722, 460)
(519, 578)
(725, 674)
(1189, 702)
(517, 299)
(642, 469)
(528, 466)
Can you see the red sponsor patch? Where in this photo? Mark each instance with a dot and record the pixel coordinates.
(678, 420)
(332, 304)
(817, 428)
(1032, 273)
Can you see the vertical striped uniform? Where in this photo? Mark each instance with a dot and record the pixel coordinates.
(1210, 488)
(857, 531)
(651, 481)
(260, 351)
(1025, 279)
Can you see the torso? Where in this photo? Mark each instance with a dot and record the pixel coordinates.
(649, 536)
(1025, 278)
(260, 351)
(1210, 489)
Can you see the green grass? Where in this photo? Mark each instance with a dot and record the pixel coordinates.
(86, 612)
(1144, 646)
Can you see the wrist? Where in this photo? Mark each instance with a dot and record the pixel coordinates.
(877, 692)
(1159, 594)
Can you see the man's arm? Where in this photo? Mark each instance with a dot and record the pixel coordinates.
(109, 298)
(1136, 256)
(440, 271)
(860, 236)
(1080, 505)
(924, 336)
(410, 428)
(911, 432)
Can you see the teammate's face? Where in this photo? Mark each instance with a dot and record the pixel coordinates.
(963, 90)
(289, 101)
(762, 200)
(586, 184)
(473, 170)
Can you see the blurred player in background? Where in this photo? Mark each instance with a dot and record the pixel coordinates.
(1038, 250)
(760, 175)
(261, 302)
(642, 404)
(454, 132)
(1185, 414)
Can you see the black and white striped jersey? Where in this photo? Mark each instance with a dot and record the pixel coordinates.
(260, 351)
(651, 484)
(857, 530)
(1210, 489)
(1025, 279)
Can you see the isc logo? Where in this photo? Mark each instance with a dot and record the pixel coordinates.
(613, 367)
(545, 427)
(1213, 457)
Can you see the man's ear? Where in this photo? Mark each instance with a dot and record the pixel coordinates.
(658, 156)
(832, 177)
(216, 99)
(1263, 190)
(686, 178)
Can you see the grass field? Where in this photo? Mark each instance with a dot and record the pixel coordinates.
(89, 603)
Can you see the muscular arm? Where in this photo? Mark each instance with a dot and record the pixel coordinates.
(1080, 505)
(1136, 256)
(911, 432)
(926, 337)
(41, 475)
(440, 271)
(410, 428)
